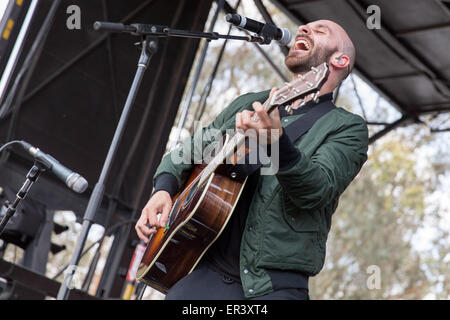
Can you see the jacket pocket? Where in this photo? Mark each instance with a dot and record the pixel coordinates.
(286, 243)
(299, 221)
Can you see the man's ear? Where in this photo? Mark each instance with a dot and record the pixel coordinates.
(340, 61)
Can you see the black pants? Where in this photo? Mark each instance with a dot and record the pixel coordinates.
(204, 283)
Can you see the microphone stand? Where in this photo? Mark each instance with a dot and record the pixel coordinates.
(38, 167)
(149, 44)
(149, 47)
(164, 31)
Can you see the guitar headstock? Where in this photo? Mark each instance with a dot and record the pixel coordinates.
(300, 87)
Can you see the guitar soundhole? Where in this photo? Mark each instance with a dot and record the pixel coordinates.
(190, 194)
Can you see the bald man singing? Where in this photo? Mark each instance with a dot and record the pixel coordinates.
(276, 237)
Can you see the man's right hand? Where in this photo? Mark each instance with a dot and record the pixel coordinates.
(159, 203)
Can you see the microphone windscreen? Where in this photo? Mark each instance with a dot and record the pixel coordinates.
(286, 37)
(80, 185)
(77, 183)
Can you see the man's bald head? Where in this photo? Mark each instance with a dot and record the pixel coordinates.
(322, 41)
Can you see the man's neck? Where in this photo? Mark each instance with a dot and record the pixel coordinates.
(326, 88)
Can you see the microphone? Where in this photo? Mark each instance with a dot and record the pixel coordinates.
(72, 179)
(282, 35)
(113, 27)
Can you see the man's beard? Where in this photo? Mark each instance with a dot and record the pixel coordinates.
(305, 64)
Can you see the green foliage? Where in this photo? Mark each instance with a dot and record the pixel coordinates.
(376, 222)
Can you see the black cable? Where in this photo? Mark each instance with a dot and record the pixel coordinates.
(9, 143)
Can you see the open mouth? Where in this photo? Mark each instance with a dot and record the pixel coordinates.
(302, 44)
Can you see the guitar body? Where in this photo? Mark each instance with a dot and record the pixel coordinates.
(197, 219)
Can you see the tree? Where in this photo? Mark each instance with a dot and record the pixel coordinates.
(374, 225)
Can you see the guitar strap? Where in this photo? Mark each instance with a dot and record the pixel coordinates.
(294, 131)
(302, 125)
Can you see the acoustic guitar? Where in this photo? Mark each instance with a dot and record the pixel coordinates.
(202, 209)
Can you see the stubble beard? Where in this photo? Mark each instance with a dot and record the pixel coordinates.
(304, 64)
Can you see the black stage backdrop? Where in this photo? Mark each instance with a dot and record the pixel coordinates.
(76, 93)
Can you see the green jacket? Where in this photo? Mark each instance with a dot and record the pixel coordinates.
(290, 214)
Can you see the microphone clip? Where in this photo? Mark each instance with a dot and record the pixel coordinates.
(266, 33)
(31, 177)
(42, 164)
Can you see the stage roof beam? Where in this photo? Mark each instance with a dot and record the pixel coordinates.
(419, 30)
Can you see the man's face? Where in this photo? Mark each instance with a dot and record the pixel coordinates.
(314, 44)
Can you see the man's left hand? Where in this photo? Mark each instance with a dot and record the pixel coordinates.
(265, 126)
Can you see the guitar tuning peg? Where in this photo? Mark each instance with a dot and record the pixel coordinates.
(289, 110)
(302, 104)
(315, 97)
(314, 69)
